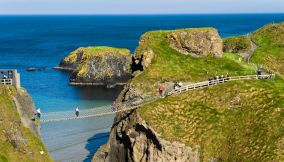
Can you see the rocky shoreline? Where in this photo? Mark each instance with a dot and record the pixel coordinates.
(96, 84)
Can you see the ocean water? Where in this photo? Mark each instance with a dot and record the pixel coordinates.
(42, 41)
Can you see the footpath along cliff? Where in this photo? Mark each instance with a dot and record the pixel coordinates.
(236, 121)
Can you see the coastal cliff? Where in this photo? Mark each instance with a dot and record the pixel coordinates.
(19, 136)
(98, 66)
(237, 121)
(133, 140)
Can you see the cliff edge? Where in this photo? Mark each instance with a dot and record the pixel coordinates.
(19, 136)
(236, 121)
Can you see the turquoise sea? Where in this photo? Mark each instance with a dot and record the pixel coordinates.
(42, 41)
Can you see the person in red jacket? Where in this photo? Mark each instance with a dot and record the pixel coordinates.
(162, 90)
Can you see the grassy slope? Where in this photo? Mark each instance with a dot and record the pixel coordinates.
(17, 143)
(237, 44)
(237, 121)
(170, 65)
(270, 40)
(94, 51)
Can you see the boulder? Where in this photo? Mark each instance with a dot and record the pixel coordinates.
(197, 42)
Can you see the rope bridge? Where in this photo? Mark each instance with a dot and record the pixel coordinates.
(109, 109)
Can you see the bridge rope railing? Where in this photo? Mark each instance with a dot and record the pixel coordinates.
(109, 109)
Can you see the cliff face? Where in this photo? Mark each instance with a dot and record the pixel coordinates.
(198, 42)
(236, 121)
(132, 140)
(99, 66)
(19, 139)
(26, 109)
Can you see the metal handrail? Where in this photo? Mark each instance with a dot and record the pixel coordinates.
(6, 81)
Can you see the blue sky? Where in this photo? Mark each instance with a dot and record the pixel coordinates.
(139, 7)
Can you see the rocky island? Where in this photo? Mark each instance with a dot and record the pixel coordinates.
(236, 121)
(105, 66)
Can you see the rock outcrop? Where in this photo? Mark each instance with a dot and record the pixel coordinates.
(132, 140)
(144, 51)
(98, 66)
(26, 109)
(19, 135)
(197, 42)
(237, 44)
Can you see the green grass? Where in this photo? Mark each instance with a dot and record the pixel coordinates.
(170, 65)
(87, 52)
(270, 53)
(17, 143)
(235, 121)
(237, 44)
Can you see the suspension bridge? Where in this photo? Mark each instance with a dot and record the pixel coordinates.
(110, 110)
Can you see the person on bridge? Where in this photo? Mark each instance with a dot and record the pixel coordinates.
(77, 112)
(113, 106)
(38, 113)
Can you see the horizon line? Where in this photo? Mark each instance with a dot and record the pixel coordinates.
(136, 14)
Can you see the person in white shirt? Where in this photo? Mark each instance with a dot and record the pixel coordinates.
(77, 112)
(38, 113)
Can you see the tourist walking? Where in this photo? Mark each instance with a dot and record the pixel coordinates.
(161, 90)
(259, 73)
(77, 112)
(180, 84)
(38, 113)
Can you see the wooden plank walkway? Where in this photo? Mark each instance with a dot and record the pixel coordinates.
(109, 110)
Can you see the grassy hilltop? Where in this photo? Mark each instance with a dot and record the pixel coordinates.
(236, 121)
(17, 143)
(270, 40)
(170, 65)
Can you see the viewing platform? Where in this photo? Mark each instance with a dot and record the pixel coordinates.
(10, 77)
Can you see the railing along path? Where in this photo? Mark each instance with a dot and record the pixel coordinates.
(6, 81)
(109, 110)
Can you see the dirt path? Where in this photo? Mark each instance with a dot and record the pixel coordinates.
(247, 55)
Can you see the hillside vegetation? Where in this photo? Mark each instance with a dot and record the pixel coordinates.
(237, 44)
(236, 121)
(170, 65)
(270, 53)
(86, 52)
(17, 143)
